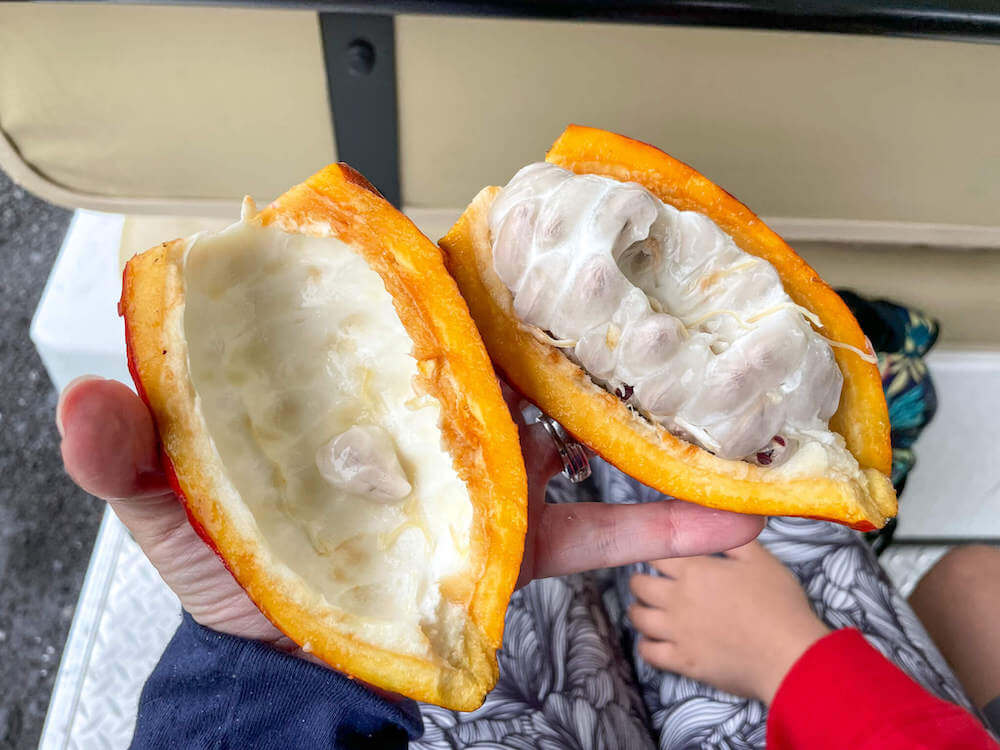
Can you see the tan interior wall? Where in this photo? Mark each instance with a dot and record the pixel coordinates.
(959, 288)
(796, 125)
(142, 101)
(183, 110)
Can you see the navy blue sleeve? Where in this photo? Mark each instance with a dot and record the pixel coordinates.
(212, 690)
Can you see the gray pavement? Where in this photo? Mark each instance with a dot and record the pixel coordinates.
(47, 525)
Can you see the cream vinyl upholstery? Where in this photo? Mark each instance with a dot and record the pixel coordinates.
(180, 105)
(183, 109)
(818, 126)
(167, 113)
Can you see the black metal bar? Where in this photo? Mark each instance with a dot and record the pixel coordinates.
(359, 50)
(966, 20)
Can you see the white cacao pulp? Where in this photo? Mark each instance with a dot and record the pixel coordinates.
(363, 460)
(661, 307)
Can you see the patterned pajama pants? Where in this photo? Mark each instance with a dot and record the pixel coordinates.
(570, 676)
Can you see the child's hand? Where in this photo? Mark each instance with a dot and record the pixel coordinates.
(738, 622)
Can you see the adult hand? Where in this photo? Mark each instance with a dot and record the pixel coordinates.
(738, 622)
(572, 537)
(110, 449)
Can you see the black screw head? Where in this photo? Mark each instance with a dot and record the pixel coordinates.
(360, 57)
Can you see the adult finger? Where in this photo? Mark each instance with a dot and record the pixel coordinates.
(574, 537)
(110, 449)
(541, 460)
(109, 444)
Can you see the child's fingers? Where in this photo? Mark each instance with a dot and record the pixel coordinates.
(750, 551)
(650, 590)
(673, 567)
(660, 654)
(652, 623)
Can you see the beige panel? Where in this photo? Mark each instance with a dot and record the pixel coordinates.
(164, 102)
(796, 125)
(155, 110)
(962, 290)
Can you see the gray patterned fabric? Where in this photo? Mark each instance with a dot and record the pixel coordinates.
(570, 677)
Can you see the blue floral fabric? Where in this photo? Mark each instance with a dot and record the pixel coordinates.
(901, 336)
(569, 673)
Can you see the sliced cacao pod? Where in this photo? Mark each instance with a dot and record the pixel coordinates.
(629, 440)
(334, 427)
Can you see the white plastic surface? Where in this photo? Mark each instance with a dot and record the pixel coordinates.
(954, 488)
(76, 327)
(123, 620)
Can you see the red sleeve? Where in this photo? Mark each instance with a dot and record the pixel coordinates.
(843, 693)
